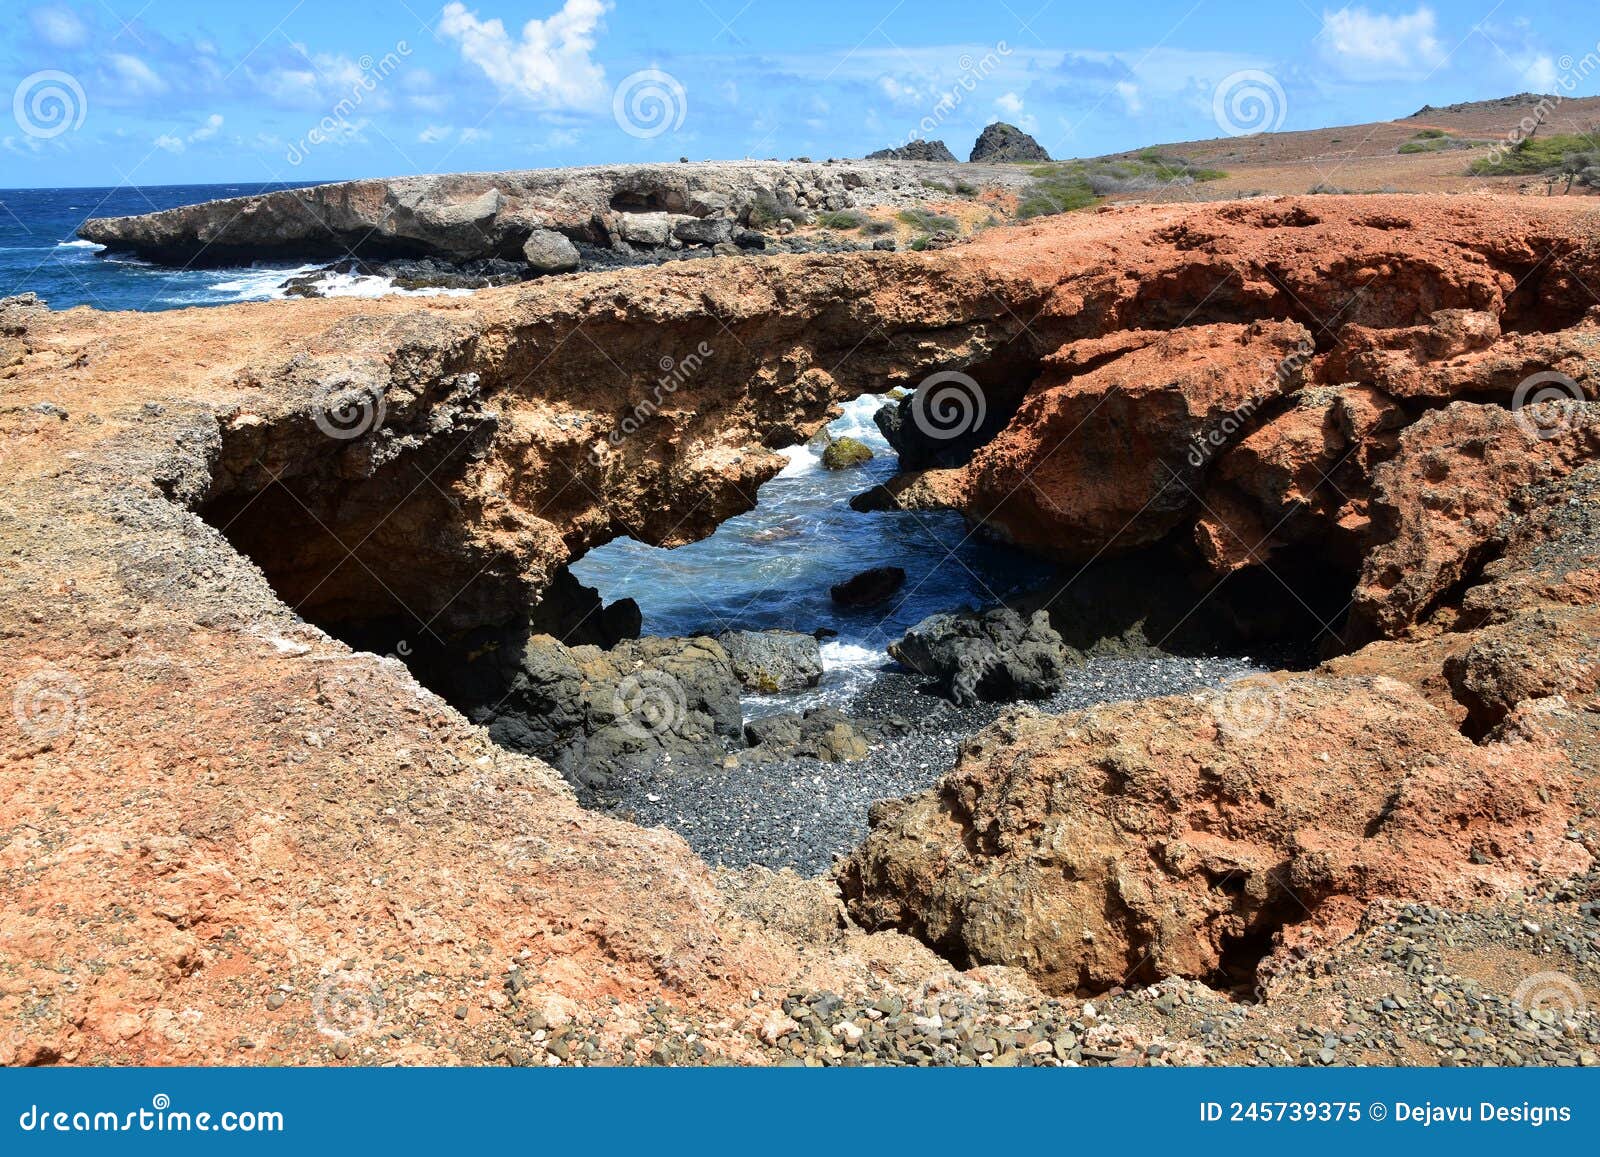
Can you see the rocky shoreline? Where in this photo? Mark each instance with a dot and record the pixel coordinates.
(1379, 855)
(478, 229)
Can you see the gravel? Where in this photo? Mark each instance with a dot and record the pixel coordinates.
(801, 813)
(1417, 985)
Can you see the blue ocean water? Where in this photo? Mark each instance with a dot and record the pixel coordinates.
(40, 253)
(771, 567)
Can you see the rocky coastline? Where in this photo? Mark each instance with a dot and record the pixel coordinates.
(1297, 428)
(477, 229)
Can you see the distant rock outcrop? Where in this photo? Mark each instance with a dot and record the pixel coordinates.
(642, 210)
(1003, 142)
(914, 151)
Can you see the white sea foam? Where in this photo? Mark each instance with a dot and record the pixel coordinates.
(259, 284)
(847, 670)
(80, 244)
(856, 421)
(839, 655)
(802, 460)
(271, 285)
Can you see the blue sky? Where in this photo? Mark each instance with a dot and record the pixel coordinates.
(108, 92)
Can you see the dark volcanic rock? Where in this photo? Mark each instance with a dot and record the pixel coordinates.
(820, 733)
(773, 661)
(928, 427)
(1003, 142)
(592, 712)
(868, 588)
(997, 654)
(914, 151)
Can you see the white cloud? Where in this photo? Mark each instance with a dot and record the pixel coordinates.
(433, 134)
(1540, 74)
(176, 144)
(474, 136)
(1009, 102)
(549, 66)
(134, 76)
(208, 130)
(1363, 41)
(291, 86)
(59, 27)
(900, 92)
(323, 79)
(1129, 92)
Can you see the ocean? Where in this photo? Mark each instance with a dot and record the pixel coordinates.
(40, 253)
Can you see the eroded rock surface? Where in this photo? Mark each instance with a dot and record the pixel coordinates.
(1182, 837)
(471, 216)
(219, 820)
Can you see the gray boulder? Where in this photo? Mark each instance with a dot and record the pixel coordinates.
(933, 429)
(996, 655)
(772, 661)
(645, 228)
(1002, 142)
(704, 230)
(869, 588)
(547, 251)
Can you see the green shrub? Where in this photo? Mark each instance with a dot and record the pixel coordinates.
(1433, 141)
(1069, 185)
(843, 219)
(767, 211)
(877, 227)
(929, 222)
(1535, 155)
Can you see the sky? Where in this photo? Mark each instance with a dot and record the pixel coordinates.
(152, 92)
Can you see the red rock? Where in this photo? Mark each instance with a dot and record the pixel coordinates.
(1439, 503)
(1110, 458)
(1190, 836)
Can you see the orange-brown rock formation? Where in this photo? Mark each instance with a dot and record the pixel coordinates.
(221, 823)
(1190, 836)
